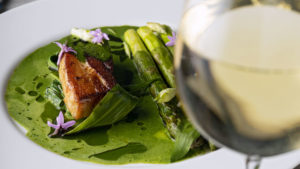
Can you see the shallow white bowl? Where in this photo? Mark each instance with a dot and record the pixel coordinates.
(28, 27)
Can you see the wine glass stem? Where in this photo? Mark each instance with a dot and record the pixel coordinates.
(253, 162)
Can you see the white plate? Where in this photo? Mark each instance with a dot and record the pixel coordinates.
(33, 25)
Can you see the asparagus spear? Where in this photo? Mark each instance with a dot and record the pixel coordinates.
(163, 32)
(148, 71)
(160, 53)
(177, 124)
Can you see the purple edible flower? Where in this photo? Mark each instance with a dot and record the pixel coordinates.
(61, 125)
(64, 48)
(172, 40)
(98, 36)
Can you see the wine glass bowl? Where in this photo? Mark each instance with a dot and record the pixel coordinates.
(237, 66)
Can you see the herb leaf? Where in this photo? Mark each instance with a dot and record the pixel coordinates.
(183, 141)
(115, 105)
(55, 95)
(101, 52)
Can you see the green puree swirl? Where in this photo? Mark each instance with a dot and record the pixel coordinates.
(139, 138)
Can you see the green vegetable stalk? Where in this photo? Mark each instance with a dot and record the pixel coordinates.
(160, 53)
(148, 71)
(177, 124)
(163, 32)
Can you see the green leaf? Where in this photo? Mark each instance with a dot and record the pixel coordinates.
(140, 89)
(115, 105)
(52, 63)
(187, 134)
(212, 147)
(55, 95)
(114, 154)
(101, 52)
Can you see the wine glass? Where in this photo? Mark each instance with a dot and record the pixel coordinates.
(237, 65)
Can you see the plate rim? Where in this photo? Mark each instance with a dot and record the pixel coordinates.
(8, 128)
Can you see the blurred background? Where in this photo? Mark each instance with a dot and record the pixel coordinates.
(9, 4)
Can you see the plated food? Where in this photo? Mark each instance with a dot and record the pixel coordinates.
(105, 95)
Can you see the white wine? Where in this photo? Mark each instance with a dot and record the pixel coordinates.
(239, 76)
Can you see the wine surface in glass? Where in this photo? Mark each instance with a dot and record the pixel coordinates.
(238, 76)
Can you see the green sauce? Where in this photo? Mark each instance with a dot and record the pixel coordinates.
(139, 138)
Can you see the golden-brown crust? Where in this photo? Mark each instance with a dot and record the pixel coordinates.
(82, 84)
(104, 69)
